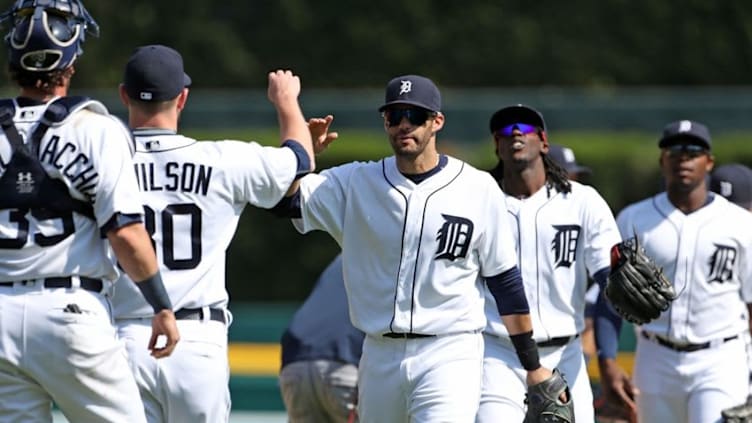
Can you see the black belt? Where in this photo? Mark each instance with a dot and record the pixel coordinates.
(682, 347)
(557, 341)
(89, 284)
(409, 335)
(216, 314)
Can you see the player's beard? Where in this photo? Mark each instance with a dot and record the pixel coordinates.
(409, 148)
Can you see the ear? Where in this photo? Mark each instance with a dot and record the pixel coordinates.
(124, 95)
(182, 99)
(438, 122)
(710, 164)
(544, 137)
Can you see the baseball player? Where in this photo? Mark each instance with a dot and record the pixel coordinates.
(193, 194)
(419, 232)
(564, 157)
(690, 362)
(734, 182)
(563, 230)
(66, 180)
(320, 354)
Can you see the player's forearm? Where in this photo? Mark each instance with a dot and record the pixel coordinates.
(134, 251)
(293, 126)
(517, 323)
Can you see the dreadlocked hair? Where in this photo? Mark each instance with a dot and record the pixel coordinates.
(45, 81)
(556, 175)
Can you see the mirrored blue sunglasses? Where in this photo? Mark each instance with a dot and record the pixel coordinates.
(524, 129)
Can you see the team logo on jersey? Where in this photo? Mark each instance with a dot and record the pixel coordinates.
(405, 87)
(24, 183)
(454, 237)
(722, 264)
(564, 244)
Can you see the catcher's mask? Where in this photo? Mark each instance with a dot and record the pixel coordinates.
(46, 35)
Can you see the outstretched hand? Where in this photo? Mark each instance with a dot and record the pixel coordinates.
(319, 128)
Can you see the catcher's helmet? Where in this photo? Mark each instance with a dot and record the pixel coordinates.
(46, 35)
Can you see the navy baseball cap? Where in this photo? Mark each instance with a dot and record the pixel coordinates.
(155, 73)
(734, 182)
(685, 130)
(414, 90)
(518, 113)
(565, 158)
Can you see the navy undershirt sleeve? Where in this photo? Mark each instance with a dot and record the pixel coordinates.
(607, 324)
(508, 292)
(119, 220)
(304, 162)
(288, 207)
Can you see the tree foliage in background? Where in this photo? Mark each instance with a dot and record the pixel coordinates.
(482, 43)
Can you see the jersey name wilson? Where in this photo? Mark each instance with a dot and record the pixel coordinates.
(173, 176)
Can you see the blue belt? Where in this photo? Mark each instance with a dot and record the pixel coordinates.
(684, 347)
(216, 314)
(408, 335)
(89, 284)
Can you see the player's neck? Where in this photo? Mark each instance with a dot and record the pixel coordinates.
(523, 183)
(159, 120)
(43, 95)
(688, 202)
(422, 163)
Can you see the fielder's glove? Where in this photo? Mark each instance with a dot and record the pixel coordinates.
(739, 414)
(636, 287)
(544, 404)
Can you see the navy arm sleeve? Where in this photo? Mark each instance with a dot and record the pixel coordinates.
(509, 293)
(118, 220)
(607, 324)
(304, 162)
(288, 207)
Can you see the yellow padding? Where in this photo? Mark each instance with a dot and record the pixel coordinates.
(249, 359)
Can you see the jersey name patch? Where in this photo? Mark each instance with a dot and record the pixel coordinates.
(174, 176)
(722, 264)
(454, 238)
(564, 245)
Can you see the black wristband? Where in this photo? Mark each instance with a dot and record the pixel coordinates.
(154, 292)
(527, 350)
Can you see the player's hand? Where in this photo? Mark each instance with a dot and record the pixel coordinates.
(163, 325)
(542, 374)
(616, 386)
(283, 86)
(538, 375)
(319, 128)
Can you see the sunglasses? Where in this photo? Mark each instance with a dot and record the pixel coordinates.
(690, 150)
(416, 116)
(524, 128)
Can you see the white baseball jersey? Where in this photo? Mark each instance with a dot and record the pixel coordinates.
(62, 340)
(706, 254)
(91, 153)
(412, 254)
(193, 194)
(560, 237)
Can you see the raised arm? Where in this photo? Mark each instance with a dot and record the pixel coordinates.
(283, 92)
